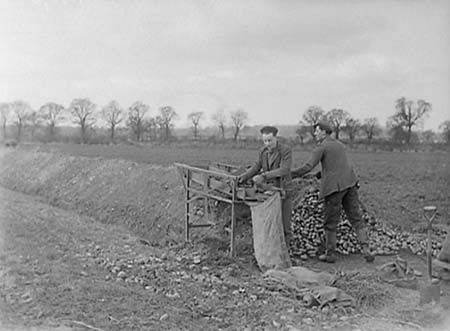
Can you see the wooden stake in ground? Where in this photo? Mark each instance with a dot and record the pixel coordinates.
(430, 292)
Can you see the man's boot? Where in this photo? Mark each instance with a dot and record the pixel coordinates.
(368, 256)
(363, 239)
(330, 252)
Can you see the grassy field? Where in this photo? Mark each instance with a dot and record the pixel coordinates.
(394, 186)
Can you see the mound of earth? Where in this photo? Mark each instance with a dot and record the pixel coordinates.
(147, 199)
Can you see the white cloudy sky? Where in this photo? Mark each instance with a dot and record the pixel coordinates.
(271, 58)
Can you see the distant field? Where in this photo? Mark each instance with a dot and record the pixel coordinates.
(394, 186)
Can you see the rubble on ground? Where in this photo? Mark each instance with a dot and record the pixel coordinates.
(309, 233)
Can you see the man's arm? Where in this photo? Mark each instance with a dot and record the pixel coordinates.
(252, 171)
(285, 165)
(308, 166)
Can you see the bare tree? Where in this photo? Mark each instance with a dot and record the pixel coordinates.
(195, 118)
(51, 113)
(238, 118)
(311, 117)
(22, 111)
(337, 118)
(371, 128)
(5, 109)
(408, 114)
(83, 111)
(113, 114)
(135, 122)
(220, 119)
(396, 132)
(166, 115)
(445, 127)
(150, 128)
(33, 121)
(352, 127)
(428, 136)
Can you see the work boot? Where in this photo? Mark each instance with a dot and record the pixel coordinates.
(367, 255)
(329, 256)
(330, 252)
(363, 239)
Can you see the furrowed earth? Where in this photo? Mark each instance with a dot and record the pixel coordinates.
(92, 238)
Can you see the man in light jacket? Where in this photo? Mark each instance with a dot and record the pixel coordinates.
(338, 189)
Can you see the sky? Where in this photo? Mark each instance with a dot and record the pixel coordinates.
(271, 58)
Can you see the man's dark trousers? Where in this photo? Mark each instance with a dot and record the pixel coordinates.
(347, 199)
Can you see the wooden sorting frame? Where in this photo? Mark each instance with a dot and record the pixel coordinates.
(212, 182)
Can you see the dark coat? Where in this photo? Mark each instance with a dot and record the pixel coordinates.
(274, 165)
(337, 173)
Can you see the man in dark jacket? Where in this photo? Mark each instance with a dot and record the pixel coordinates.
(274, 167)
(338, 188)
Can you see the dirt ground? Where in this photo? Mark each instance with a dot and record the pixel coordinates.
(62, 271)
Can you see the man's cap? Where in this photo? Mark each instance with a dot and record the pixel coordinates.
(324, 126)
(269, 129)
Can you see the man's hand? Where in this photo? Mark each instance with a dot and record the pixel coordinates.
(258, 179)
(241, 179)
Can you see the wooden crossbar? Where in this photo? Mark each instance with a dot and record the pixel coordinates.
(209, 184)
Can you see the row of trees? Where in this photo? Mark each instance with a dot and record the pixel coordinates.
(237, 119)
(408, 114)
(341, 121)
(141, 126)
(86, 114)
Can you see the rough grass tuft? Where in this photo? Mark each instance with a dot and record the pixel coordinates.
(369, 291)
